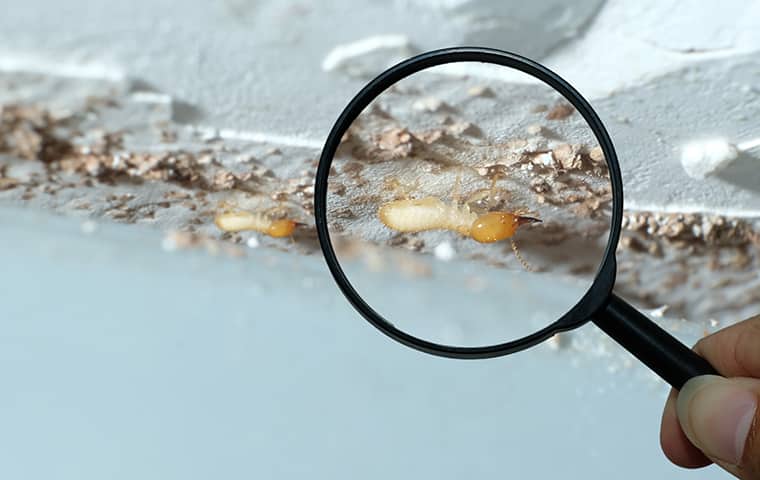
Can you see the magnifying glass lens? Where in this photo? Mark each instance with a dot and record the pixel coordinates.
(469, 205)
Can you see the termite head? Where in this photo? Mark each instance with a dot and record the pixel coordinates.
(495, 226)
(281, 228)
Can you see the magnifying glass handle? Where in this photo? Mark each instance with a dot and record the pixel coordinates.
(660, 351)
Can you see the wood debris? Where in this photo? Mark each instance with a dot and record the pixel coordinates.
(560, 111)
(399, 142)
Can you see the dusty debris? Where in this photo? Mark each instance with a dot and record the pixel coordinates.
(431, 104)
(534, 129)
(461, 127)
(225, 180)
(553, 175)
(101, 159)
(560, 111)
(685, 230)
(398, 141)
(29, 132)
(569, 156)
(596, 155)
(432, 136)
(481, 91)
(8, 183)
(540, 185)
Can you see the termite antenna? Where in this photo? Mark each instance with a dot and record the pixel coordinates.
(520, 258)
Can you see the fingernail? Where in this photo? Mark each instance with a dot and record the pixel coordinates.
(716, 415)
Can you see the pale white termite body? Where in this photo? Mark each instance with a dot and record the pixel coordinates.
(430, 213)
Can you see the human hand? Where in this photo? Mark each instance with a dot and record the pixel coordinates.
(715, 419)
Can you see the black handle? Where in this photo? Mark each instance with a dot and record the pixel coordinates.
(660, 351)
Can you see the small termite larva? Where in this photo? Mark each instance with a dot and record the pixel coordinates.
(431, 213)
(239, 221)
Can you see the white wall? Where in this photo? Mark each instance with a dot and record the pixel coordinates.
(291, 382)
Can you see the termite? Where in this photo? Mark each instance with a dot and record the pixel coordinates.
(258, 222)
(238, 221)
(432, 213)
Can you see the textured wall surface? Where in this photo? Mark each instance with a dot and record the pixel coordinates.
(124, 361)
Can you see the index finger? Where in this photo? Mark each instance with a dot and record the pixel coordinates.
(735, 350)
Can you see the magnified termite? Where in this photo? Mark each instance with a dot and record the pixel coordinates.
(266, 222)
(432, 213)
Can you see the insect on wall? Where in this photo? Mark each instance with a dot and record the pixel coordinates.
(478, 200)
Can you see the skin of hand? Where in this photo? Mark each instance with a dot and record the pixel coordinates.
(716, 419)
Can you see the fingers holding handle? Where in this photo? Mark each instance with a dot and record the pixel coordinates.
(714, 418)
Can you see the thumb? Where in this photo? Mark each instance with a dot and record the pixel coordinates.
(720, 417)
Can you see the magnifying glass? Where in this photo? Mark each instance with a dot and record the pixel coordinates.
(473, 221)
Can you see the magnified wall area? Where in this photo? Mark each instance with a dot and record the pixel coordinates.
(501, 211)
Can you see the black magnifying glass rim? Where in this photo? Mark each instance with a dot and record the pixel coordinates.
(598, 293)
